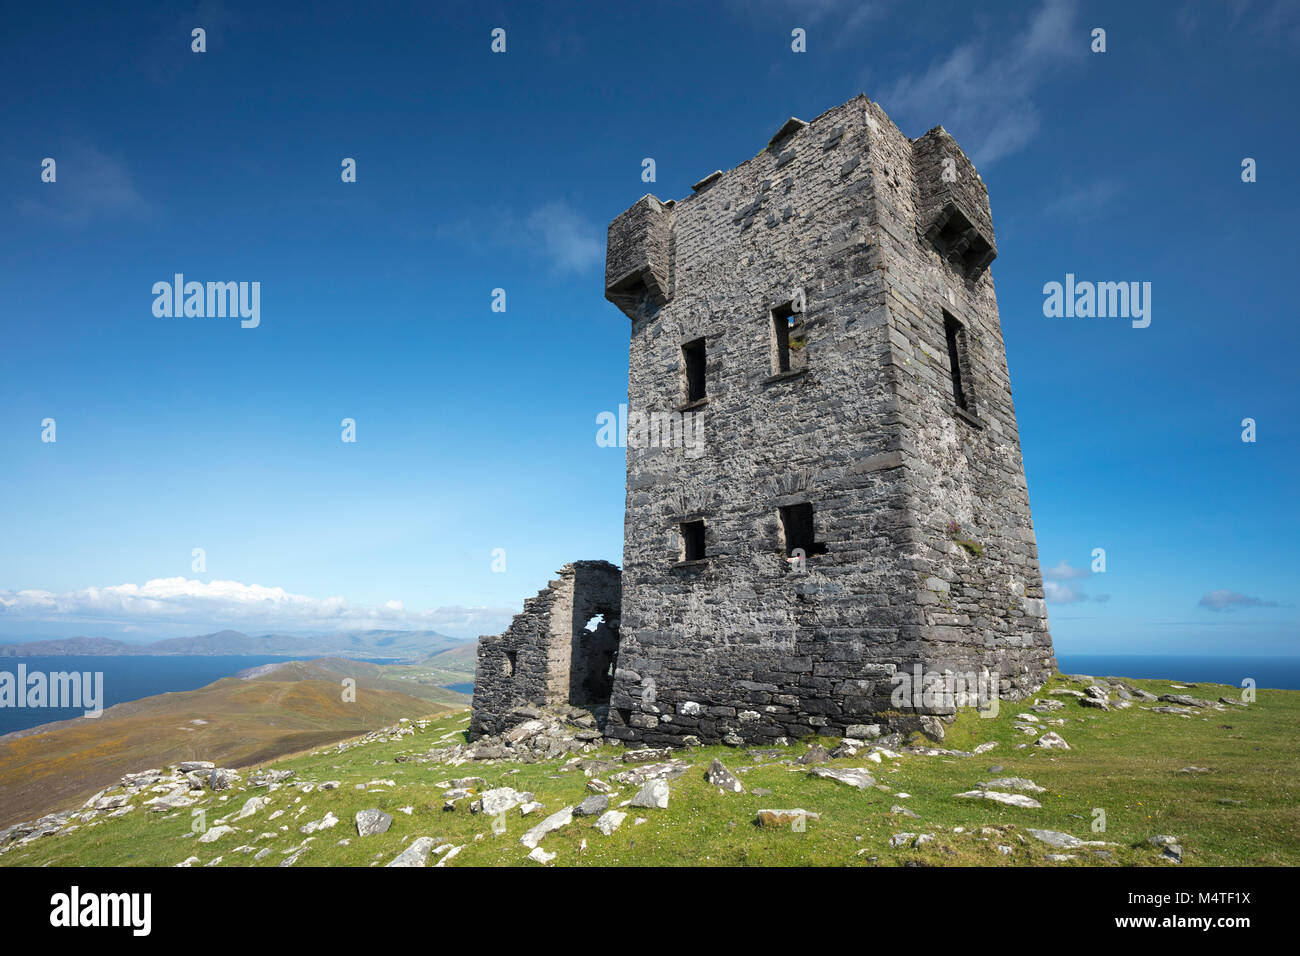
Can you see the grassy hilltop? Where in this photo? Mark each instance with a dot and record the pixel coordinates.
(1223, 782)
(236, 721)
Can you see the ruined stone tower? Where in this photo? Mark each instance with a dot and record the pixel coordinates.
(858, 508)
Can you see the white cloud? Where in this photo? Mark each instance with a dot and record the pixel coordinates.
(208, 605)
(572, 242)
(1064, 572)
(1225, 600)
(1059, 593)
(984, 97)
(554, 232)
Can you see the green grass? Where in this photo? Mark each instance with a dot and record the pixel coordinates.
(1125, 763)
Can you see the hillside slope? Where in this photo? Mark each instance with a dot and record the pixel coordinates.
(1218, 780)
(233, 721)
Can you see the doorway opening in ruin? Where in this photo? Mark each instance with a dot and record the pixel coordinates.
(595, 655)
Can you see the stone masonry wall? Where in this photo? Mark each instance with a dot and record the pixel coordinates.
(547, 655)
(739, 645)
(985, 611)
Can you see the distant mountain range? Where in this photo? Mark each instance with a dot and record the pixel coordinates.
(390, 645)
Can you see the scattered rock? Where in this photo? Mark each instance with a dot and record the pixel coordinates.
(784, 818)
(1183, 700)
(561, 818)
(499, 800)
(372, 822)
(1011, 799)
(538, 856)
(417, 854)
(853, 777)
(324, 823)
(1056, 838)
(448, 854)
(816, 754)
(593, 806)
(1052, 741)
(221, 779)
(251, 806)
(721, 777)
(1012, 783)
(653, 794)
(609, 821)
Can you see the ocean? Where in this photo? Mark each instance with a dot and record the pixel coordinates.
(1277, 672)
(124, 679)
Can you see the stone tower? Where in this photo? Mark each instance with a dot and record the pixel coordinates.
(857, 509)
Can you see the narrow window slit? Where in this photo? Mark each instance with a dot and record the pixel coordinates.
(959, 363)
(695, 362)
(692, 540)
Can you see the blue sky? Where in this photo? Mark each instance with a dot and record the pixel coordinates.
(475, 171)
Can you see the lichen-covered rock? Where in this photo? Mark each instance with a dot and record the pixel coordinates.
(722, 778)
(372, 822)
(653, 794)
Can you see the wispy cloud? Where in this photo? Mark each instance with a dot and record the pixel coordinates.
(845, 16)
(1065, 572)
(1275, 22)
(983, 95)
(207, 604)
(1058, 592)
(1084, 202)
(554, 233)
(572, 242)
(1225, 600)
(89, 186)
